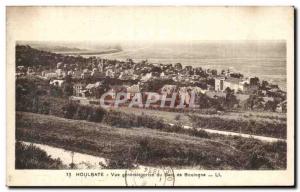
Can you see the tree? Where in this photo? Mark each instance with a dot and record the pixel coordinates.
(271, 106)
(69, 110)
(203, 101)
(264, 85)
(236, 75)
(68, 86)
(178, 66)
(254, 101)
(254, 81)
(230, 99)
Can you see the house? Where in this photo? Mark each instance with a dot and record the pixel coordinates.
(59, 65)
(30, 71)
(126, 75)
(101, 67)
(94, 89)
(57, 82)
(20, 68)
(51, 75)
(236, 84)
(78, 88)
(168, 89)
(132, 90)
(282, 107)
(59, 72)
(147, 77)
(76, 74)
(110, 73)
(70, 73)
(85, 74)
(97, 74)
(197, 90)
(219, 83)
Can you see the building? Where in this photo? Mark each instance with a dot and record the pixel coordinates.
(59, 72)
(85, 74)
(126, 75)
(282, 107)
(110, 73)
(147, 77)
(51, 75)
(57, 82)
(219, 83)
(30, 71)
(238, 85)
(97, 74)
(94, 89)
(78, 89)
(168, 89)
(132, 90)
(76, 74)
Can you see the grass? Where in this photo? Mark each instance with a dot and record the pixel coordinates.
(149, 146)
(31, 157)
(256, 123)
(249, 126)
(249, 122)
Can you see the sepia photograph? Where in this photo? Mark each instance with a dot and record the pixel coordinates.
(150, 96)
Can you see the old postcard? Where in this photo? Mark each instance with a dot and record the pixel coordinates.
(150, 96)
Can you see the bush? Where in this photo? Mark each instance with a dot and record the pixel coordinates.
(81, 112)
(119, 161)
(69, 110)
(178, 117)
(31, 157)
(273, 129)
(262, 155)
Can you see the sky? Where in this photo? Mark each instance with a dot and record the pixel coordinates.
(153, 24)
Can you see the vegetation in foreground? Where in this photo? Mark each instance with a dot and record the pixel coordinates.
(32, 96)
(125, 147)
(31, 157)
(275, 128)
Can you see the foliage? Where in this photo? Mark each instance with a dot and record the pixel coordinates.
(257, 127)
(31, 157)
(80, 112)
(271, 106)
(254, 102)
(134, 147)
(230, 99)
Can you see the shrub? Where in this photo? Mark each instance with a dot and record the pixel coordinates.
(119, 161)
(69, 110)
(178, 117)
(273, 129)
(31, 157)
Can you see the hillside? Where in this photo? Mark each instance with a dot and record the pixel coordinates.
(140, 145)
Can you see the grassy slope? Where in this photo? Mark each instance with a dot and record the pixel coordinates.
(262, 120)
(31, 157)
(101, 140)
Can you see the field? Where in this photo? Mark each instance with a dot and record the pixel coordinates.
(256, 123)
(140, 145)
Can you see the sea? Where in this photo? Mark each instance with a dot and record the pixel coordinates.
(263, 59)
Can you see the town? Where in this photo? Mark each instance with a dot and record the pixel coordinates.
(141, 113)
(85, 80)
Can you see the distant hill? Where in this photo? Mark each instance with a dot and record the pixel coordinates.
(74, 48)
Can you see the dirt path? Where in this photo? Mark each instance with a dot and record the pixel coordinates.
(261, 138)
